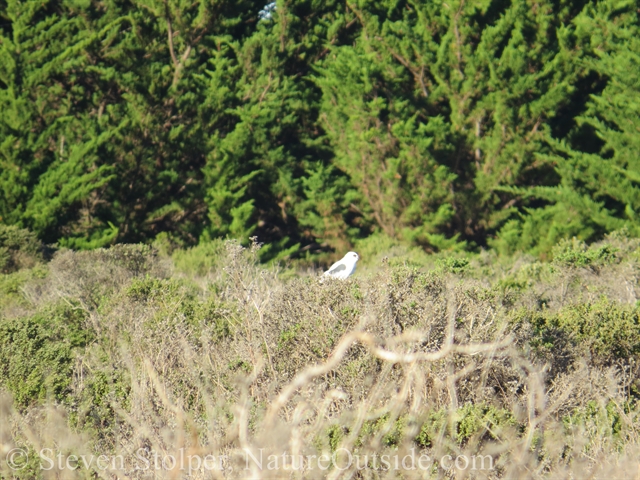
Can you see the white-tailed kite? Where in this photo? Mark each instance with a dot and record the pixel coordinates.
(343, 268)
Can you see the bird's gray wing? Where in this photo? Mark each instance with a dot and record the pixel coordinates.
(336, 269)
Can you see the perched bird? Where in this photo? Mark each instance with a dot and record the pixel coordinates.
(343, 268)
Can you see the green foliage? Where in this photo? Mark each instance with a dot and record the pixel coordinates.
(604, 330)
(102, 388)
(577, 254)
(453, 265)
(90, 277)
(29, 467)
(120, 346)
(471, 420)
(222, 318)
(19, 248)
(432, 428)
(39, 352)
(598, 188)
(335, 434)
(199, 260)
(151, 289)
(482, 419)
(137, 259)
(11, 285)
(596, 419)
(444, 126)
(438, 106)
(102, 131)
(288, 336)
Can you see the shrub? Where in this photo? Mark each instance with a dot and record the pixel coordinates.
(39, 351)
(605, 331)
(479, 359)
(482, 419)
(89, 277)
(201, 259)
(575, 253)
(19, 248)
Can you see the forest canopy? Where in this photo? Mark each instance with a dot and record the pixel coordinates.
(313, 124)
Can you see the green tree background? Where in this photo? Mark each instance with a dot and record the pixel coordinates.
(447, 125)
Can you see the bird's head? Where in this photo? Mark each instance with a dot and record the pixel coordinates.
(353, 256)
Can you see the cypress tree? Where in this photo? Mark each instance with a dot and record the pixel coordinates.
(49, 168)
(152, 74)
(317, 123)
(450, 106)
(262, 161)
(103, 136)
(598, 182)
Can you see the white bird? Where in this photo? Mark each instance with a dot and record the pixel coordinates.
(343, 268)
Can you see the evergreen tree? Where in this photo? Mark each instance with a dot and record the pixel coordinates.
(103, 138)
(152, 74)
(383, 147)
(261, 163)
(50, 176)
(313, 124)
(599, 185)
(440, 104)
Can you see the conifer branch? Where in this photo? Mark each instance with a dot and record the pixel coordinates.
(534, 129)
(419, 77)
(266, 88)
(178, 70)
(456, 32)
(171, 49)
(360, 17)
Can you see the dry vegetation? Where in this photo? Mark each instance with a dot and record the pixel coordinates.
(515, 369)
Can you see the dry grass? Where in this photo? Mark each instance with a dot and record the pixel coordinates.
(487, 366)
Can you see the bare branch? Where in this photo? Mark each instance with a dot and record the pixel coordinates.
(171, 49)
(369, 341)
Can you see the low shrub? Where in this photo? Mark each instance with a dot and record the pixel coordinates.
(19, 248)
(518, 363)
(38, 353)
(604, 331)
